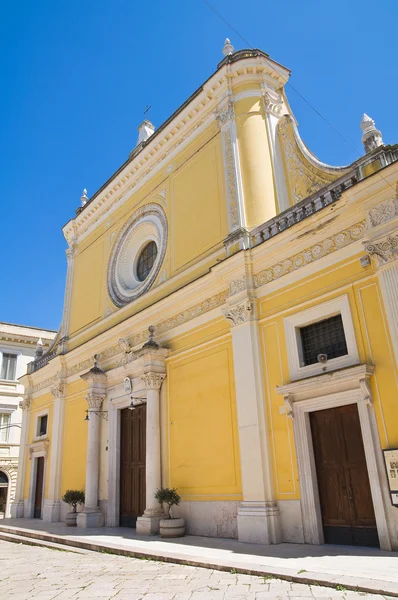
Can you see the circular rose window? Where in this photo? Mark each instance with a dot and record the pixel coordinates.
(137, 254)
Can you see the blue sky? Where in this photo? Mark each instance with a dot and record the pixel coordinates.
(76, 76)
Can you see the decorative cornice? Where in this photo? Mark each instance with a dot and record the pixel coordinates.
(240, 313)
(40, 446)
(153, 381)
(311, 254)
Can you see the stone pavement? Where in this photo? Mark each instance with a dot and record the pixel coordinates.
(367, 569)
(31, 573)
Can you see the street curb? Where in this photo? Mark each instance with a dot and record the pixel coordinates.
(383, 588)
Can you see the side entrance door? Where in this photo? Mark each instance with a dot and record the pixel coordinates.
(346, 502)
(39, 487)
(132, 464)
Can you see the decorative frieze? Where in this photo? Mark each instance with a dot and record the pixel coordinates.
(311, 254)
(237, 285)
(383, 212)
(58, 390)
(25, 403)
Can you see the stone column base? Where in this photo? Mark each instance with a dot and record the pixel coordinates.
(90, 519)
(259, 523)
(17, 510)
(148, 524)
(52, 511)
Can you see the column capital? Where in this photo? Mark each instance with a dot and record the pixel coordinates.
(153, 381)
(240, 313)
(384, 250)
(95, 400)
(26, 402)
(225, 112)
(58, 390)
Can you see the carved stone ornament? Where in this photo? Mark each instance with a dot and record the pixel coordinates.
(95, 400)
(240, 313)
(364, 385)
(383, 251)
(225, 113)
(383, 212)
(237, 285)
(288, 400)
(127, 385)
(25, 403)
(58, 390)
(39, 447)
(153, 381)
(273, 102)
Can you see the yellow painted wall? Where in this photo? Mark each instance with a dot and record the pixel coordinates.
(203, 439)
(194, 200)
(361, 286)
(75, 438)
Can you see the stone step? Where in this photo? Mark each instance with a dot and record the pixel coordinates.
(30, 541)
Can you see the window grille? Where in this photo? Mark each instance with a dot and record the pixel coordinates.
(325, 337)
(146, 260)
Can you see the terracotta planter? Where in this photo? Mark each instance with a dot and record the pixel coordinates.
(70, 519)
(172, 528)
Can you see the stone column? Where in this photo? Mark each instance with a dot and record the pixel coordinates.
(149, 522)
(258, 515)
(70, 256)
(17, 507)
(91, 515)
(52, 504)
(385, 252)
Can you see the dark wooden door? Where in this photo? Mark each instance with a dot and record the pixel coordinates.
(346, 502)
(132, 464)
(39, 487)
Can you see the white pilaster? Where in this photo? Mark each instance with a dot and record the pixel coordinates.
(258, 515)
(52, 506)
(385, 252)
(17, 507)
(70, 256)
(91, 515)
(149, 522)
(233, 178)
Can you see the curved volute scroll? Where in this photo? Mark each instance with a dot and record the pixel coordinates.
(304, 173)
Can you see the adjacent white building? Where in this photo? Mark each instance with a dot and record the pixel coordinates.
(19, 345)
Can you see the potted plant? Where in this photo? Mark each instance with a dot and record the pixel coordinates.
(73, 498)
(170, 527)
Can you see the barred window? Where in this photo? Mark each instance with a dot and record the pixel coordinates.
(325, 337)
(146, 260)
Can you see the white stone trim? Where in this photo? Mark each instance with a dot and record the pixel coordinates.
(36, 450)
(52, 507)
(328, 391)
(340, 305)
(41, 413)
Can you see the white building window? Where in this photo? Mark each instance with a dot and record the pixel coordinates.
(8, 366)
(4, 427)
(321, 339)
(41, 425)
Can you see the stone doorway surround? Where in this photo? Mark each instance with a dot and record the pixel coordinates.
(36, 450)
(331, 390)
(145, 371)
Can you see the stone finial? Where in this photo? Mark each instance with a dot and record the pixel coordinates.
(145, 130)
(83, 197)
(39, 349)
(228, 48)
(371, 137)
(151, 342)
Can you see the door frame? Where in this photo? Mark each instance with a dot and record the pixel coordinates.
(37, 450)
(114, 420)
(310, 395)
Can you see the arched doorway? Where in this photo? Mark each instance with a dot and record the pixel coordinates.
(4, 485)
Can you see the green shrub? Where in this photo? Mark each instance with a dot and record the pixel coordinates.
(73, 498)
(168, 496)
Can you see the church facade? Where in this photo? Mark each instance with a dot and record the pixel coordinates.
(230, 329)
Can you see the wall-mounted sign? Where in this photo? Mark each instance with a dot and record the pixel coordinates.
(127, 385)
(391, 461)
